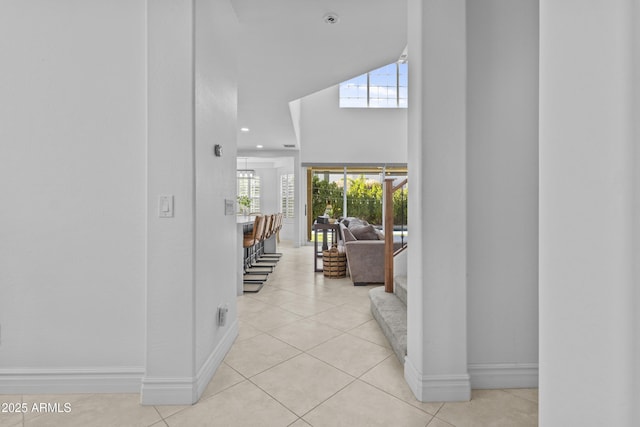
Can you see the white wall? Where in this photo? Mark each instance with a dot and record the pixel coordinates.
(502, 192)
(330, 134)
(72, 167)
(588, 220)
(216, 122)
(192, 257)
(83, 255)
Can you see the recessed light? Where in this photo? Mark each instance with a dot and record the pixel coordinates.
(244, 129)
(258, 146)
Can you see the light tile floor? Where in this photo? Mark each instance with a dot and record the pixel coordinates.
(308, 354)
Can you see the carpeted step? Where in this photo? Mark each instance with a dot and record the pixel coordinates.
(391, 314)
(400, 288)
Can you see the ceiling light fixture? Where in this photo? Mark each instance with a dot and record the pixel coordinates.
(244, 129)
(259, 146)
(331, 18)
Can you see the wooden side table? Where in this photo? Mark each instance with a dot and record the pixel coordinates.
(334, 229)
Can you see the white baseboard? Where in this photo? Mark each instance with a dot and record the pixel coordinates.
(437, 388)
(187, 390)
(503, 375)
(80, 380)
(211, 365)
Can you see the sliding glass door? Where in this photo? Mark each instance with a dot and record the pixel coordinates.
(349, 191)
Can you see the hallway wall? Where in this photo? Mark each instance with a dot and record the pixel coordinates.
(502, 192)
(72, 167)
(589, 213)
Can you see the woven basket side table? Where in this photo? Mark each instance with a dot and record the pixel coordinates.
(334, 263)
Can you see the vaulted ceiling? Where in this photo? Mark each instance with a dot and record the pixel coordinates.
(287, 51)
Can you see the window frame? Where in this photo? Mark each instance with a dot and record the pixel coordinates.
(400, 102)
(252, 190)
(287, 195)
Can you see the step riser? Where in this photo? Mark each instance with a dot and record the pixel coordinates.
(391, 314)
(400, 288)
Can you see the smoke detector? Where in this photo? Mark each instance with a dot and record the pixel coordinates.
(331, 18)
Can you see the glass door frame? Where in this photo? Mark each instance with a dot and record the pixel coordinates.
(381, 170)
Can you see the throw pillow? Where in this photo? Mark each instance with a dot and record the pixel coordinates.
(364, 232)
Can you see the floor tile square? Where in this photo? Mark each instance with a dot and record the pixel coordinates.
(300, 423)
(271, 318)
(525, 393)
(496, 408)
(248, 305)
(371, 331)
(353, 355)
(273, 295)
(246, 331)
(302, 383)
(304, 306)
(305, 334)
(258, 354)
(389, 377)
(224, 378)
(343, 317)
(243, 405)
(360, 404)
(96, 410)
(435, 422)
(11, 418)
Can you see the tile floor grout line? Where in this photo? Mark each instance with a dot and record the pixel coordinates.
(506, 390)
(396, 397)
(328, 398)
(364, 339)
(302, 350)
(158, 411)
(375, 366)
(271, 367)
(274, 398)
(334, 367)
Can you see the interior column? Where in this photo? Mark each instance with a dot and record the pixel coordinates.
(436, 363)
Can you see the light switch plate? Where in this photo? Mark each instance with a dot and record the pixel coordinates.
(165, 206)
(229, 207)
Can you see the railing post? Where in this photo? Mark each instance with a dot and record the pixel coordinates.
(388, 235)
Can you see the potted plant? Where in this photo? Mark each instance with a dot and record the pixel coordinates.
(245, 204)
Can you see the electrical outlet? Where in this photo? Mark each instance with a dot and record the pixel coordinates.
(222, 314)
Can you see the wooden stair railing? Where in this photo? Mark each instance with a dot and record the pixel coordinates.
(389, 189)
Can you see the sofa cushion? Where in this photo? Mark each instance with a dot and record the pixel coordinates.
(364, 232)
(347, 235)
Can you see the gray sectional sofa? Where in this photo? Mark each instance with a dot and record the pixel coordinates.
(364, 247)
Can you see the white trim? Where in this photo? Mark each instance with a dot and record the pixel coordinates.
(437, 388)
(503, 375)
(187, 390)
(168, 391)
(71, 380)
(211, 365)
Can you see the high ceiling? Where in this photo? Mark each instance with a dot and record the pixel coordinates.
(287, 51)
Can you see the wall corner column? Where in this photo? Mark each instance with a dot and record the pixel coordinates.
(436, 362)
(170, 347)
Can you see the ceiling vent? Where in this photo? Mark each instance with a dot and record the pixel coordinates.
(331, 18)
(289, 145)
